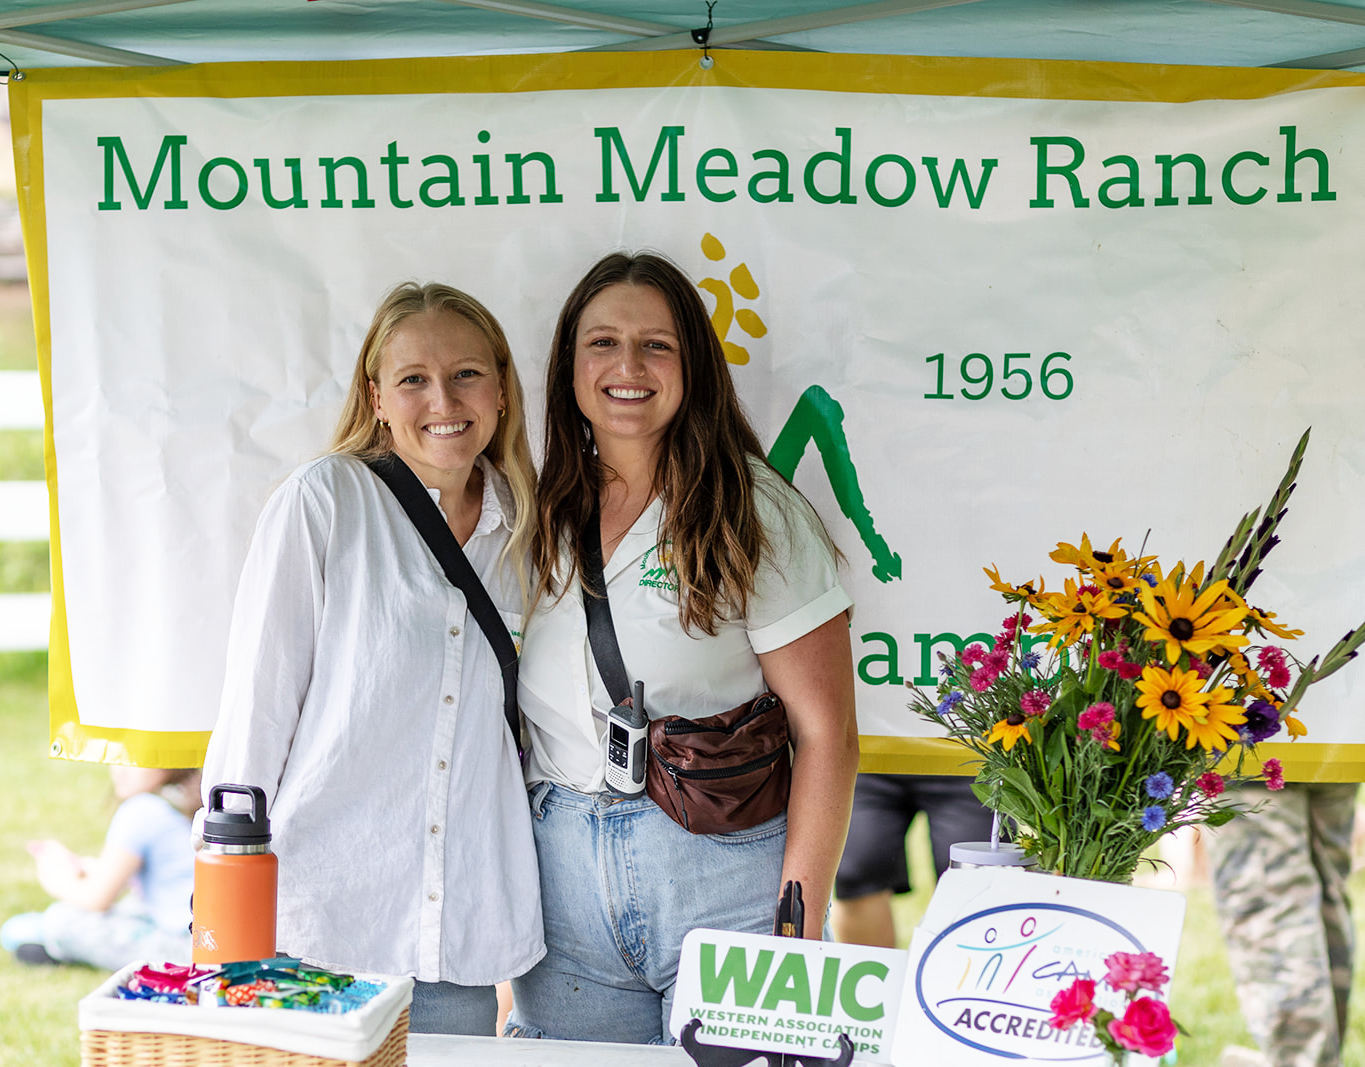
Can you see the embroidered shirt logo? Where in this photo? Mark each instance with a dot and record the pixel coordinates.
(657, 570)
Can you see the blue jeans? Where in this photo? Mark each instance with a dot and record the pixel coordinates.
(447, 1008)
(621, 884)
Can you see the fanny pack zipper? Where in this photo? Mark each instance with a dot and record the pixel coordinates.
(675, 772)
(688, 726)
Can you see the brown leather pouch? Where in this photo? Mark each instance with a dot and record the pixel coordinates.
(722, 773)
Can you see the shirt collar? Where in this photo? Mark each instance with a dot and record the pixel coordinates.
(495, 511)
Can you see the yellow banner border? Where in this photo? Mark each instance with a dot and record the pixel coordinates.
(1303, 762)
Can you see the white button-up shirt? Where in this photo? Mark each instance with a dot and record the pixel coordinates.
(363, 697)
(561, 693)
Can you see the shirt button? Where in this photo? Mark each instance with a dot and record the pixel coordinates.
(582, 689)
(440, 765)
(454, 631)
(433, 897)
(435, 829)
(448, 699)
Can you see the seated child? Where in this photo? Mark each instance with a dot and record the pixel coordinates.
(147, 849)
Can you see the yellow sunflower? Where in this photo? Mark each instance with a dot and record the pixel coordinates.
(1027, 591)
(1080, 556)
(1072, 613)
(1189, 621)
(1116, 577)
(1113, 743)
(1009, 730)
(1214, 725)
(1263, 620)
(1172, 697)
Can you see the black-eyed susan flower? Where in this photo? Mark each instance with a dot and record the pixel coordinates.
(1190, 621)
(1171, 697)
(1265, 621)
(1008, 730)
(1072, 613)
(1027, 592)
(1215, 724)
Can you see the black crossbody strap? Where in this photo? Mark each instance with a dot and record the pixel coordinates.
(431, 524)
(606, 651)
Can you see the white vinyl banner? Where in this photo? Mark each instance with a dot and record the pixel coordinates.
(971, 323)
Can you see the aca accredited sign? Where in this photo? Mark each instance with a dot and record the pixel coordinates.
(786, 994)
(994, 948)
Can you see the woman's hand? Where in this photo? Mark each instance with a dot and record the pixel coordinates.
(814, 677)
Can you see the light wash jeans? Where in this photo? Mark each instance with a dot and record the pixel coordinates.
(621, 884)
(447, 1008)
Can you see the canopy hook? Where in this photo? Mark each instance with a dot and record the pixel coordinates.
(13, 73)
(702, 36)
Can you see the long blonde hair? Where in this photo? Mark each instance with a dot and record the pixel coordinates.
(359, 433)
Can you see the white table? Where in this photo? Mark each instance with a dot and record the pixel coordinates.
(443, 1050)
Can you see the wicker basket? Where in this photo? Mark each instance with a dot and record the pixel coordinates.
(112, 1048)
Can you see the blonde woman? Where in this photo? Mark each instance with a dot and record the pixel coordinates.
(361, 693)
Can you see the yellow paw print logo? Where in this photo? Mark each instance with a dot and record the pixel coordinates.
(726, 315)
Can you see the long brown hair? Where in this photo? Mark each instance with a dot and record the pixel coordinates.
(704, 477)
(359, 432)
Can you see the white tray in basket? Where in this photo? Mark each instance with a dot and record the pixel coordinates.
(352, 1035)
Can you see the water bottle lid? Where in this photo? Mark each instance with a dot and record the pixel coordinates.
(984, 854)
(236, 827)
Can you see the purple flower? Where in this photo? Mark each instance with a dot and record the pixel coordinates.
(1160, 786)
(1263, 722)
(1153, 818)
(948, 703)
(1030, 660)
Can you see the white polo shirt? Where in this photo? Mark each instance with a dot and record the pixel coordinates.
(796, 590)
(362, 696)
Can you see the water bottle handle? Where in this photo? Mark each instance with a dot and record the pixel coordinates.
(255, 792)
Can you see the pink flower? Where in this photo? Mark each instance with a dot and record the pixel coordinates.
(973, 654)
(1003, 643)
(1201, 668)
(1279, 677)
(1129, 671)
(1073, 1005)
(1146, 1027)
(996, 661)
(1268, 657)
(1274, 774)
(1210, 783)
(1110, 660)
(982, 679)
(1096, 716)
(1035, 702)
(1131, 971)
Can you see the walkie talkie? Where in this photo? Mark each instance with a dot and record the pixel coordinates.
(627, 745)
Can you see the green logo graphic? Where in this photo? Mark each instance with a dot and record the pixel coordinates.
(816, 417)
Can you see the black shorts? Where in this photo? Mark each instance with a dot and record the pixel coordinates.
(884, 805)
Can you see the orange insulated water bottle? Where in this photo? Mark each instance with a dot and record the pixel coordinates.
(235, 881)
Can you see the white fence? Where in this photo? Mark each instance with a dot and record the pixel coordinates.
(23, 516)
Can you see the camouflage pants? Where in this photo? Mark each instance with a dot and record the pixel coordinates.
(1280, 887)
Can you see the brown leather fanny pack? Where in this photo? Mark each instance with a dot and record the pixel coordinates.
(725, 772)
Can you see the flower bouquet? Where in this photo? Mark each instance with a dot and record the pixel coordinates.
(1145, 1027)
(1120, 707)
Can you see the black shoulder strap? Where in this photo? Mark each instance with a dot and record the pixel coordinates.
(431, 524)
(606, 651)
